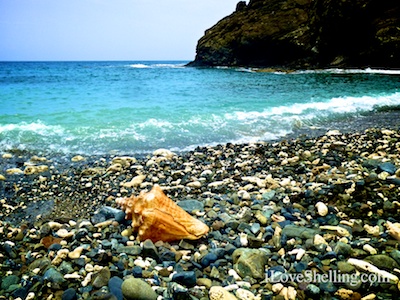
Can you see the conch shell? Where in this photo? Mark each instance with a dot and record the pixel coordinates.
(158, 218)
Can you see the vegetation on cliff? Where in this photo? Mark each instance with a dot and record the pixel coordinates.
(305, 34)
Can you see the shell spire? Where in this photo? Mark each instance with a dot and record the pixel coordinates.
(156, 217)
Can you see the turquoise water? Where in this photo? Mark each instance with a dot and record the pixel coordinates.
(136, 107)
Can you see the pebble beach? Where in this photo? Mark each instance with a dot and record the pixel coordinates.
(285, 218)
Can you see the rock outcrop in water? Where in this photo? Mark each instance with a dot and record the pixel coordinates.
(305, 34)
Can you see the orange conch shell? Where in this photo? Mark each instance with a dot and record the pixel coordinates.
(157, 217)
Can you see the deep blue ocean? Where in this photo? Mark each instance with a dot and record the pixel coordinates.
(128, 107)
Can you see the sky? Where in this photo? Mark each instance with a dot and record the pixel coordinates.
(54, 30)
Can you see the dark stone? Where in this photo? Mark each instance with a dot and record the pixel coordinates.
(382, 261)
(81, 234)
(255, 242)
(53, 276)
(8, 281)
(275, 269)
(328, 287)
(69, 294)
(293, 231)
(395, 181)
(21, 292)
(302, 34)
(232, 224)
(102, 295)
(312, 290)
(186, 278)
(97, 218)
(208, 259)
(329, 255)
(115, 287)
(106, 244)
(101, 278)
(244, 227)
(289, 216)
(9, 251)
(285, 223)
(109, 212)
(229, 249)
(167, 264)
(130, 250)
(330, 219)
(250, 262)
(137, 272)
(191, 205)
(219, 252)
(342, 249)
(300, 266)
(167, 255)
(150, 250)
(186, 245)
(395, 254)
(80, 262)
(178, 292)
(65, 268)
(103, 257)
(387, 167)
(55, 247)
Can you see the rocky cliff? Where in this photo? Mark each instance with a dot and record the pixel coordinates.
(305, 34)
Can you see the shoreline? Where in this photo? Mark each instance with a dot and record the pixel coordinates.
(382, 118)
(333, 195)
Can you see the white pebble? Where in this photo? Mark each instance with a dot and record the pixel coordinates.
(64, 233)
(277, 287)
(231, 287)
(322, 209)
(370, 249)
(243, 239)
(54, 225)
(89, 268)
(243, 294)
(87, 279)
(72, 276)
(234, 274)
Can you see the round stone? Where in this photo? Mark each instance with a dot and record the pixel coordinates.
(69, 294)
(8, 281)
(312, 290)
(328, 287)
(191, 205)
(115, 287)
(137, 289)
(101, 279)
(208, 259)
(186, 278)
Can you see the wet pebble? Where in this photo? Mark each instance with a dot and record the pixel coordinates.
(208, 259)
(191, 205)
(115, 287)
(53, 276)
(101, 278)
(137, 289)
(186, 278)
(69, 294)
(387, 167)
(295, 206)
(250, 262)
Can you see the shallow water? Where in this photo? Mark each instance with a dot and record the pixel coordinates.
(136, 107)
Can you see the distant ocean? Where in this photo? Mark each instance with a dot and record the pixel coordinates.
(130, 107)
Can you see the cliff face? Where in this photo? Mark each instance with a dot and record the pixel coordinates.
(305, 34)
